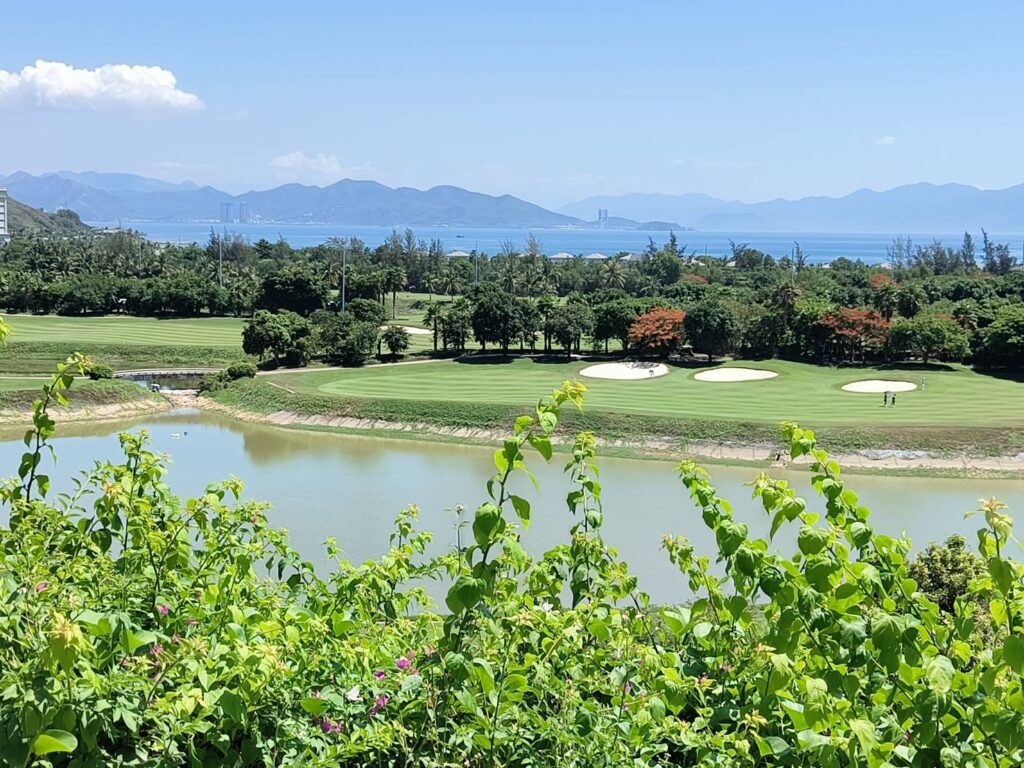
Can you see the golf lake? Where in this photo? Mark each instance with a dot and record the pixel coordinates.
(351, 488)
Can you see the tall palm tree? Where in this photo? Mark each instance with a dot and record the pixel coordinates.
(432, 317)
(508, 274)
(613, 273)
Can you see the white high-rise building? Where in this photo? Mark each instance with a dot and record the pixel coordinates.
(4, 233)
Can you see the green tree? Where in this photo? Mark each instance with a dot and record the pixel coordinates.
(927, 337)
(396, 339)
(1002, 342)
(711, 328)
(569, 323)
(265, 333)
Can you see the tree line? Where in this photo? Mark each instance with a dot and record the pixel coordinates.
(930, 301)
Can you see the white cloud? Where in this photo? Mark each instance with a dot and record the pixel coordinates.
(300, 162)
(54, 85)
(885, 141)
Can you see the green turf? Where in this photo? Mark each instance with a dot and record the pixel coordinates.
(199, 331)
(18, 383)
(954, 395)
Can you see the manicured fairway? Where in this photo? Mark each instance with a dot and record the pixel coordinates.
(200, 331)
(17, 383)
(806, 393)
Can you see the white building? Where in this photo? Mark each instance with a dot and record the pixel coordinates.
(4, 233)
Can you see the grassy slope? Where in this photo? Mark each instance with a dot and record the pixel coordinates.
(121, 342)
(25, 219)
(83, 394)
(960, 411)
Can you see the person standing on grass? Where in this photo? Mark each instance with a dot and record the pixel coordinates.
(885, 399)
(892, 400)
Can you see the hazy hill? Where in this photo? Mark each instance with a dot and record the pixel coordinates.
(124, 197)
(119, 182)
(909, 209)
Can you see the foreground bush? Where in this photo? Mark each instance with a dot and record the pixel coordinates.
(137, 629)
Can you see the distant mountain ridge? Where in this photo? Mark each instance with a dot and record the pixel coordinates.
(107, 197)
(910, 208)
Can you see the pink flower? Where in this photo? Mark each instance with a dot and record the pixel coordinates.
(627, 687)
(429, 650)
(379, 674)
(156, 649)
(379, 703)
(330, 726)
(163, 610)
(175, 638)
(403, 663)
(41, 586)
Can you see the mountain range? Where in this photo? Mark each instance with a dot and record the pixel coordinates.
(110, 197)
(913, 208)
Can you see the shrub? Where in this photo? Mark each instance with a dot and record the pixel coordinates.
(240, 370)
(137, 630)
(98, 371)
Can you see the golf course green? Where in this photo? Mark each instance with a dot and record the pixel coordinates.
(952, 395)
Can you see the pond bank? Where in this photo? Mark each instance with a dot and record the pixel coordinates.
(758, 453)
(89, 401)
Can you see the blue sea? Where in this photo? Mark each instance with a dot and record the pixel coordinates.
(818, 247)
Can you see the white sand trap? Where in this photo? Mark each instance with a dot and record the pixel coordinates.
(411, 330)
(625, 371)
(878, 386)
(719, 375)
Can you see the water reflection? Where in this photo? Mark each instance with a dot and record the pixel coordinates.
(348, 487)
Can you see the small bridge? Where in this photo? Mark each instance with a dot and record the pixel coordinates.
(166, 373)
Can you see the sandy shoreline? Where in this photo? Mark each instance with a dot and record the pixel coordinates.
(13, 417)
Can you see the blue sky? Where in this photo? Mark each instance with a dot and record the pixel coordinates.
(551, 101)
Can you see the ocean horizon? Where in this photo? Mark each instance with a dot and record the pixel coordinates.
(818, 247)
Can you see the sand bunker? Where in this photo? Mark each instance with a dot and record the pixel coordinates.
(411, 330)
(625, 371)
(719, 375)
(878, 386)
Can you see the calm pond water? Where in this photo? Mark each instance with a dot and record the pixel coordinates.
(348, 487)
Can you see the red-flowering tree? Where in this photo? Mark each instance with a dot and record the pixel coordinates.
(854, 332)
(658, 332)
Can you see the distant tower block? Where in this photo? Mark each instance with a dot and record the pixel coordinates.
(4, 232)
(243, 212)
(226, 209)
(602, 215)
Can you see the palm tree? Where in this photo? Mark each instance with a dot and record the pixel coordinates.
(785, 298)
(508, 274)
(432, 317)
(396, 281)
(451, 281)
(613, 273)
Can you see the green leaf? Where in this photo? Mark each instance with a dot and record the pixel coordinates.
(542, 445)
(54, 741)
(515, 682)
(812, 540)
(772, 745)
(522, 508)
(232, 705)
(864, 730)
(939, 672)
(1013, 653)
